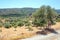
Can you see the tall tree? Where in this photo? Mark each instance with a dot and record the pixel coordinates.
(40, 17)
(51, 16)
(44, 16)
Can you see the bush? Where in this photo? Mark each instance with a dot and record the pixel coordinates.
(39, 22)
(7, 20)
(7, 25)
(58, 20)
(1, 27)
(15, 27)
(13, 23)
(20, 23)
(27, 23)
(1, 24)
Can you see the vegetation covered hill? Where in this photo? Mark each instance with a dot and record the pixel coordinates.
(18, 12)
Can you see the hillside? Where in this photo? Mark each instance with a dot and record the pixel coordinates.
(58, 11)
(18, 12)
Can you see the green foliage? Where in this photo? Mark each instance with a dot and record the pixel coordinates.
(44, 15)
(16, 12)
(7, 25)
(40, 17)
(20, 23)
(51, 15)
(1, 24)
(58, 20)
(27, 23)
(13, 23)
(15, 26)
(20, 17)
(41, 22)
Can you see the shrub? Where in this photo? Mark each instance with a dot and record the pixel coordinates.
(20, 23)
(1, 24)
(39, 22)
(13, 23)
(15, 27)
(6, 20)
(7, 25)
(1, 27)
(58, 20)
(27, 23)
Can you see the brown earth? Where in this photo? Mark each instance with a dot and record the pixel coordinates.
(10, 33)
(56, 26)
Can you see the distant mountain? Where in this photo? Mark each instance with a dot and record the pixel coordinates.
(19, 11)
(58, 11)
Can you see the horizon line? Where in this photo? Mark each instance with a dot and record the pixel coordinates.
(21, 7)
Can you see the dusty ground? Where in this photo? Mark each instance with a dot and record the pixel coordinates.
(6, 34)
(57, 26)
(50, 36)
(9, 33)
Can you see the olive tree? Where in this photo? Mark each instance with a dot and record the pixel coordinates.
(44, 16)
(40, 17)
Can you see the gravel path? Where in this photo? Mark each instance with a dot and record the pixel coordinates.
(51, 36)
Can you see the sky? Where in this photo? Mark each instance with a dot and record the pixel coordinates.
(29, 3)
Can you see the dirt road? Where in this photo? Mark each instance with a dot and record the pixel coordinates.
(51, 36)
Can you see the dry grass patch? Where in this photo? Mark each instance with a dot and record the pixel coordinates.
(22, 32)
(24, 35)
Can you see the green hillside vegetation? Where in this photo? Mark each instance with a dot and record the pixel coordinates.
(20, 17)
(19, 12)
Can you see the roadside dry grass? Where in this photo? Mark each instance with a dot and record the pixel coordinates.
(21, 32)
(57, 26)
